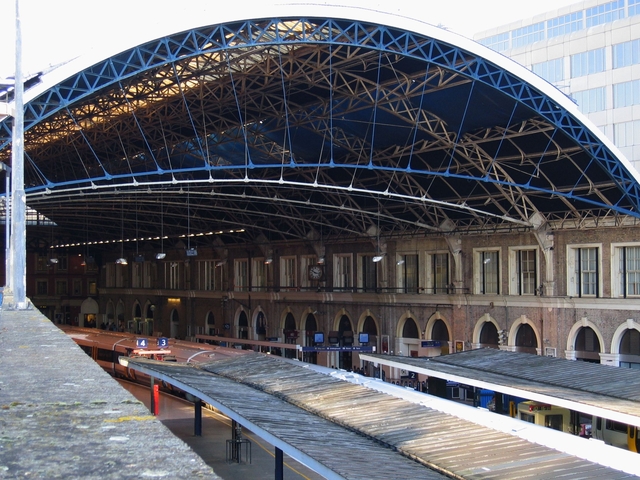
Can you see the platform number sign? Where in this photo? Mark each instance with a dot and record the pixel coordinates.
(142, 343)
(163, 342)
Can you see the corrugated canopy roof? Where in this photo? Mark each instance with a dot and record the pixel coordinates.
(590, 388)
(300, 411)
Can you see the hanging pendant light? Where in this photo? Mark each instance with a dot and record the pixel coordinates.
(122, 260)
(160, 255)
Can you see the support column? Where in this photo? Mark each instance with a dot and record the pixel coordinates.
(197, 426)
(546, 241)
(455, 247)
(152, 405)
(279, 465)
(236, 433)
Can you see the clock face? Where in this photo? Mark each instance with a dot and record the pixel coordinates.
(316, 272)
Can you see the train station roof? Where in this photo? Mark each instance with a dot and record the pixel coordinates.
(301, 121)
(590, 388)
(350, 430)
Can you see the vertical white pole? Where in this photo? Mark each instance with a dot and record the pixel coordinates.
(7, 226)
(18, 208)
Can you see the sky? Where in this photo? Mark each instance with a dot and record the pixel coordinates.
(55, 31)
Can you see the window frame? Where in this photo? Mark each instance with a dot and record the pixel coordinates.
(551, 70)
(137, 274)
(617, 280)
(62, 287)
(39, 283)
(241, 274)
(343, 271)
(515, 274)
(626, 94)
(625, 54)
(403, 275)
(42, 263)
(173, 275)
(575, 285)
(431, 283)
(368, 268)
(589, 62)
(259, 274)
(76, 286)
(591, 100)
(480, 271)
(288, 272)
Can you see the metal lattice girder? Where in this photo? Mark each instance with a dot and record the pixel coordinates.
(321, 115)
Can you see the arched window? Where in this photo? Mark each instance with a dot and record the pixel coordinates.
(311, 325)
(290, 334)
(489, 335)
(440, 331)
(526, 339)
(261, 326)
(587, 346)
(345, 330)
(211, 324)
(310, 328)
(243, 326)
(410, 329)
(369, 326)
(630, 349)
(630, 343)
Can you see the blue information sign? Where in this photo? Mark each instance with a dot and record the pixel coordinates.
(163, 342)
(431, 343)
(142, 343)
(362, 349)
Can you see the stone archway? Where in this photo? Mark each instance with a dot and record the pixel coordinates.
(524, 336)
(582, 340)
(89, 313)
(485, 332)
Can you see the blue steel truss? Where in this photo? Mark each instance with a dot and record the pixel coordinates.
(245, 35)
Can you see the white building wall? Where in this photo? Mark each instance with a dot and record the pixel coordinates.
(605, 35)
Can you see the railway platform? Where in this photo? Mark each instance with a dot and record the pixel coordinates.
(211, 444)
(62, 416)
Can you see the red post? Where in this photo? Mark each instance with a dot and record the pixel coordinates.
(156, 400)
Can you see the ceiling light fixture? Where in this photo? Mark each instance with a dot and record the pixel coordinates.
(122, 260)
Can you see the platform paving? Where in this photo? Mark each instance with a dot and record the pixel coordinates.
(62, 416)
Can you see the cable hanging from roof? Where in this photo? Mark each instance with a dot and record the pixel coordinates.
(331, 103)
(84, 137)
(243, 127)
(188, 110)
(375, 109)
(137, 122)
(464, 116)
(287, 136)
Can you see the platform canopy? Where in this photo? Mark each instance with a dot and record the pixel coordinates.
(299, 122)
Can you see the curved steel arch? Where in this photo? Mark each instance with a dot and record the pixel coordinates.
(473, 149)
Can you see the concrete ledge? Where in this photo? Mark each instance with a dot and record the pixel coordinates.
(62, 416)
